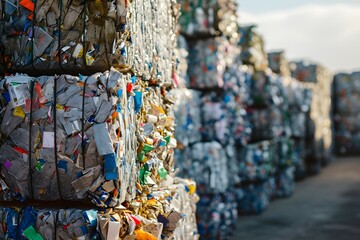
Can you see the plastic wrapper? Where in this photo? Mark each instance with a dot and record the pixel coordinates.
(253, 51)
(64, 36)
(209, 18)
(70, 145)
(211, 56)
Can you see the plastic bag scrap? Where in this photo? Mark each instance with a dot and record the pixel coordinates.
(65, 36)
(346, 96)
(67, 137)
(209, 18)
(173, 202)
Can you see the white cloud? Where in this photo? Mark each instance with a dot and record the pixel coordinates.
(328, 34)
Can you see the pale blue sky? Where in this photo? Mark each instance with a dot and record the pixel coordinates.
(323, 31)
(269, 5)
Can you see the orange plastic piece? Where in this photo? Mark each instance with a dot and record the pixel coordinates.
(142, 235)
(28, 4)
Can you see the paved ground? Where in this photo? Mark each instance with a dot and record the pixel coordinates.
(324, 207)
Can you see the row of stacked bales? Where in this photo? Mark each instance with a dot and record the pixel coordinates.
(259, 160)
(209, 30)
